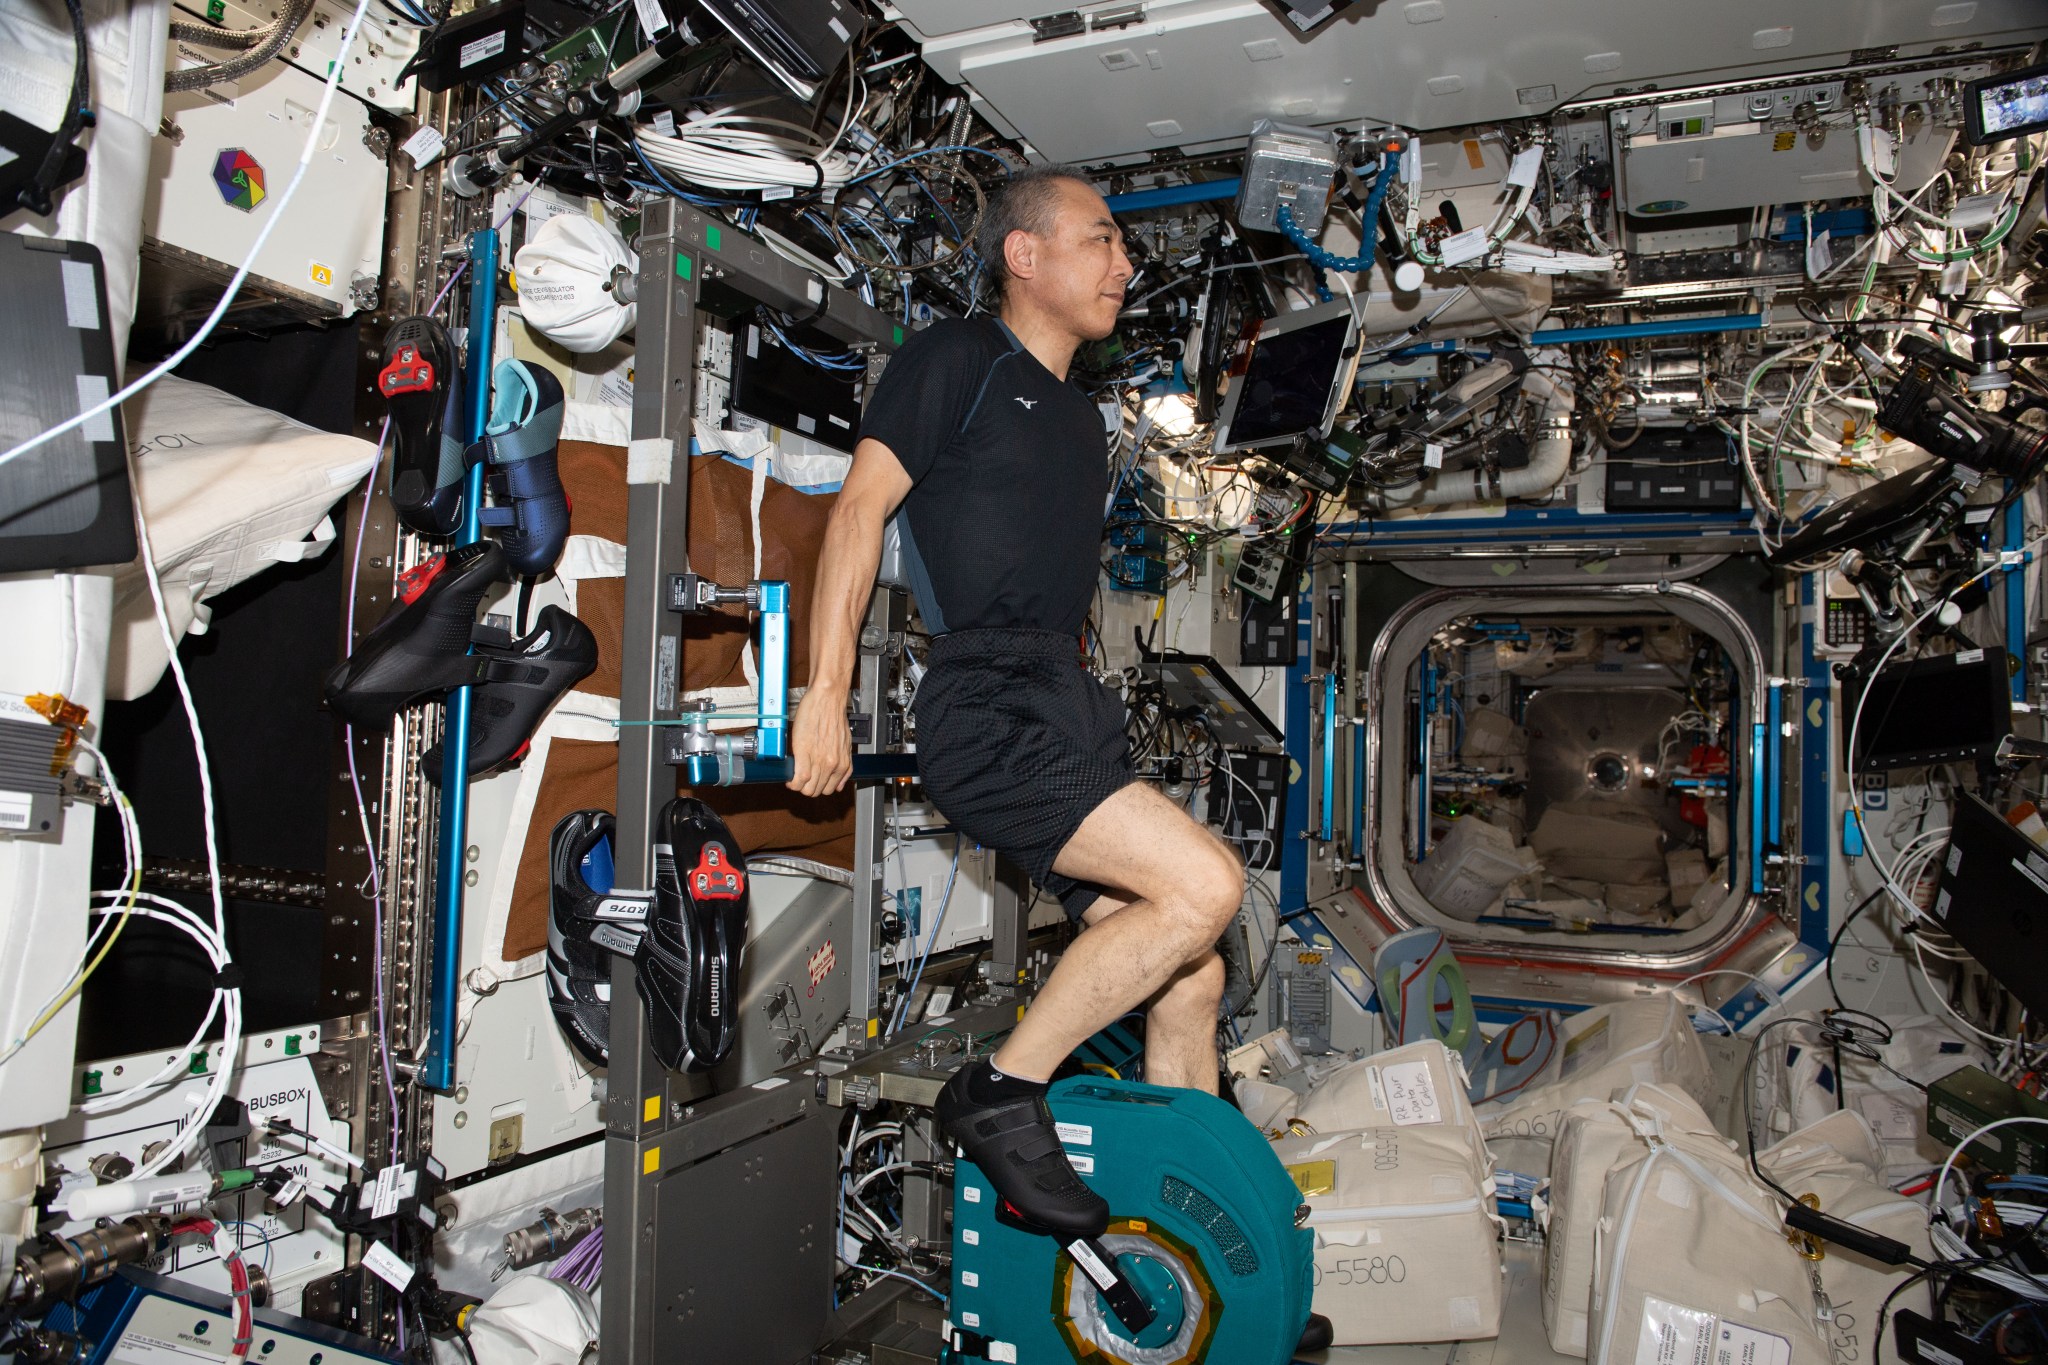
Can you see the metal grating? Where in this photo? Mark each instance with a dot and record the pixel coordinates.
(1229, 1238)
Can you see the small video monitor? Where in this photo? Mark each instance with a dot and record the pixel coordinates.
(1993, 899)
(2009, 105)
(1289, 378)
(1952, 709)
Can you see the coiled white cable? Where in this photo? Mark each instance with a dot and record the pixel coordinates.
(728, 150)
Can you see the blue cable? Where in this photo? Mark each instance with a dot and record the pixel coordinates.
(1368, 225)
(902, 1010)
(929, 151)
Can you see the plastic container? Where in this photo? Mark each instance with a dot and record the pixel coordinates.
(1469, 870)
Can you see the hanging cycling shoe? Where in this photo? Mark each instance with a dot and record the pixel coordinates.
(529, 512)
(586, 1022)
(421, 647)
(688, 964)
(517, 685)
(421, 382)
(581, 938)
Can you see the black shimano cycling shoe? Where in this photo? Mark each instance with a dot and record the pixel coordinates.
(516, 687)
(421, 382)
(421, 647)
(687, 967)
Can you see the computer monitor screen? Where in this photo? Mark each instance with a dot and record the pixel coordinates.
(1956, 708)
(1993, 899)
(2008, 105)
(1289, 378)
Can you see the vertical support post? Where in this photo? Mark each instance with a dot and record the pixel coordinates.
(437, 1069)
(864, 1018)
(642, 1093)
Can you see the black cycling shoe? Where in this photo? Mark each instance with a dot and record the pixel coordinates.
(421, 382)
(586, 1021)
(1018, 1149)
(1319, 1335)
(576, 939)
(516, 686)
(688, 964)
(421, 647)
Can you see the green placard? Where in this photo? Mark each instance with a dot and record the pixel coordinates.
(712, 238)
(685, 267)
(899, 335)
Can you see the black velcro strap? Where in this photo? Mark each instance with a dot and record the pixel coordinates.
(229, 978)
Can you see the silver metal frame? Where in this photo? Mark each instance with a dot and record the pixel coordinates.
(662, 1127)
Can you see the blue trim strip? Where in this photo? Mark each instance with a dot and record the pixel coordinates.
(1775, 748)
(1756, 806)
(1816, 766)
(1631, 331)
(1201, 192)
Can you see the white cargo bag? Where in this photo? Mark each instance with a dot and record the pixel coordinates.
(1798, 1085)
(1596, 1135)
(1602, 1050)
(1692, 1267)
(1405, 1237)
(1840, 1161)
(229, 489)
(1421, 1083)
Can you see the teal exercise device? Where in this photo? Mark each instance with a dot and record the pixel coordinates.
(1202, 1222)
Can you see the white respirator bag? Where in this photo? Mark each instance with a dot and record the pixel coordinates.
(565, 276)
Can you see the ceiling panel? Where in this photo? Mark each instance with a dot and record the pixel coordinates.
(1196, 72)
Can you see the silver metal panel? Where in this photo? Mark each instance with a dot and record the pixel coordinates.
(1573, 729)
(744, 1226)
(794, 985)
(1737, 161)
(1198, 72)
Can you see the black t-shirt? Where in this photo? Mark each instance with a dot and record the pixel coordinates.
(1009, 473)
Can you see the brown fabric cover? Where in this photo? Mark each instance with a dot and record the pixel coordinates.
(582, 775)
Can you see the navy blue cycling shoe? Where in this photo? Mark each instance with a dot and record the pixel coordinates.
(529, 513)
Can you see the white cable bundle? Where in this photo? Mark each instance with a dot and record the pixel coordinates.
(728, 150)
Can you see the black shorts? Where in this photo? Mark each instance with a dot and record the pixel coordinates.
(1017, 744)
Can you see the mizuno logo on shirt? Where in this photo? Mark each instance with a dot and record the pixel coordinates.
(1028, 403)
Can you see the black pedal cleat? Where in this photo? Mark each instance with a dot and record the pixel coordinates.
(1017, 1147)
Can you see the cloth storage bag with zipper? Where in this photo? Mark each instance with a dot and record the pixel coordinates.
(1804, 1087)
(1357, 1094)
(1600, 1050)
(1691, 1265)
(1407, 1246)
(1841, 1161)
(1595, 1136)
